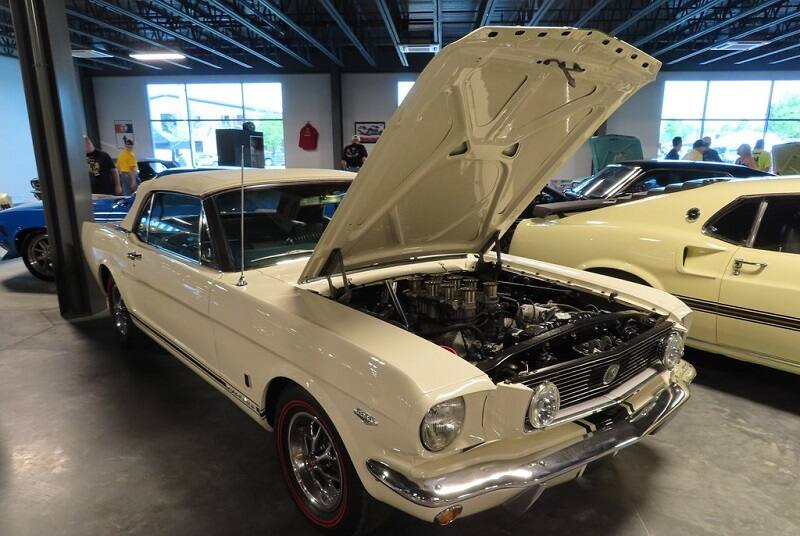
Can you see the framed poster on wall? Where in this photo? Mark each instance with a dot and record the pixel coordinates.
(369, 131)
(123, 130)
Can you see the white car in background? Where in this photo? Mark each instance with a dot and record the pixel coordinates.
(398, 360)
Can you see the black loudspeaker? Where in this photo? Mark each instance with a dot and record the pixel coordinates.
(230, 141)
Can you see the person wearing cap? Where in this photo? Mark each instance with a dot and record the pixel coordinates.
(711, 155)
(761, 156)
(128, 168)
(696, 154)
(102, 172)
(674, 154)
(353, 155)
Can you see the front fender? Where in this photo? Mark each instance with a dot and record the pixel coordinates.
(622, 266)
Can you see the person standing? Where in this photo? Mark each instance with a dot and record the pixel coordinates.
(103, 173)
(128, 168)
(696, 154)
(711, 155)
(353, 155)
(677, 144)
(762, 157)
(745, 156)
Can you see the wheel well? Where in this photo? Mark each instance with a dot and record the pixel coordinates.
(620, 274)
(274, 390)
(23, 235)
(105, 275)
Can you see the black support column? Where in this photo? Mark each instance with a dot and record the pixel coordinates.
(336, 117)
(57, 126)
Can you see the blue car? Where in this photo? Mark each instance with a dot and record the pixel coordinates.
(23, 232)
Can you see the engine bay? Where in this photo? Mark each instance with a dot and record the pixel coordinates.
(508, 324)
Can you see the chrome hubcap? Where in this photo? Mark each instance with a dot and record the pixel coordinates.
(119, 312)
(39, 255)
(315, 462)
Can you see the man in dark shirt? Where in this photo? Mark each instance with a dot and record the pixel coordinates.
(711, 155)
(674, 154)
(102, 171)
(353, 155)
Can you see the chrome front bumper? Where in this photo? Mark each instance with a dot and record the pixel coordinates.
(534, 471)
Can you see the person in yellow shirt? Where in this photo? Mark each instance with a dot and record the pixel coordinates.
(696, 154)
(762, 157)
(128, 168)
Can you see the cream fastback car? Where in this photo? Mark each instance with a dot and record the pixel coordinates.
(731, 251)
(397, 359)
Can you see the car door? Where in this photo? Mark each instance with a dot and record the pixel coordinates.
(170, 276)
(759, 302)
(702, 257)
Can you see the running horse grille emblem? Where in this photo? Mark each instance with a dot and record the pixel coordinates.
(611, 374)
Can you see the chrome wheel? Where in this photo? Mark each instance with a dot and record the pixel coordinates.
(38, 256)
(314, 462)
(119, 313)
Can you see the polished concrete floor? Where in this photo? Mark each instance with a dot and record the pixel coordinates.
(94, 441)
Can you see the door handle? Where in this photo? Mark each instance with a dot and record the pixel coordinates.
(738, 263)
(134, 255)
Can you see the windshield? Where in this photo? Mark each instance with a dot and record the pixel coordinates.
(279, 222)
(601, 184)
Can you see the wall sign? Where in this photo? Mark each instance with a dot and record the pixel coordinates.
(369, 131)
(123, 130)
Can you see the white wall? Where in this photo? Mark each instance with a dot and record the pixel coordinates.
(16, 146)
(306, 97)
(369, 97)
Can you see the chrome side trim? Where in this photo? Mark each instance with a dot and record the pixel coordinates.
(479, 479)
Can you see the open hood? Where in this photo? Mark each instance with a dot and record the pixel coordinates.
(487, 123)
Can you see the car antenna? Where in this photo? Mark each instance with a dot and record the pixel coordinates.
(242, 281)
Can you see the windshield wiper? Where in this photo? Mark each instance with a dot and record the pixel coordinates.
(284, 254)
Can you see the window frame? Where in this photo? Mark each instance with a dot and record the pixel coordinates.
(733, 205)
(760, 218)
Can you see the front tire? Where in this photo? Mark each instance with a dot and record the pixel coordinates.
(37, 256)
(317, 469)
(125, 330)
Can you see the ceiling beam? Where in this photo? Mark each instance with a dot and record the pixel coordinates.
(784, 59)
(386, 15)
(348, 32)
(138, 37)
(437, 22)
(284, 18)
(544, 7)
(213, 31)
(736, 52)
(147, 22)
(486, 13)
(683, 19)
(591, 13)
(741, 35)
(119, 45)
(642, 13)
(259, 32)
(727, 22)
(773, 52)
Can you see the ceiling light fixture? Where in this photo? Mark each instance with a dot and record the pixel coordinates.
(157, 56)
(90, 54)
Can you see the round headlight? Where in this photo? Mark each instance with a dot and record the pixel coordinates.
(545, 404)
(442, 424)
(672, 350)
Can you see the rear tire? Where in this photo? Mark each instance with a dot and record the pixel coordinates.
(121, 321)
(37, 256)
(318, 471)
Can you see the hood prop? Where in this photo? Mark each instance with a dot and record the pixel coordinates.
(334, 264)
(498, 264)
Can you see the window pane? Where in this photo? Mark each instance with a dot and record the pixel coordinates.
(274, 152)
(263, 101)
(727, 136)
(402, 90)
(781, 132)
(780, 227)
(144, 221)
(279, 223)
(785, 100)
(174, 224)
(204, 140)
(683, 100)
(215, 101)
(171, 141)
(688, 130)
(166, 101)
(735, 225)
(741, 99)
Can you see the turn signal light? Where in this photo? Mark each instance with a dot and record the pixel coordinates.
(448, 515)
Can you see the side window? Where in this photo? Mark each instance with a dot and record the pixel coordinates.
(206, 248)
(144, 221)
(735, 222)
(779, 229)
(174, 224)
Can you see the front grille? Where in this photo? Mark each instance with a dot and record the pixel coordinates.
(582, 381)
